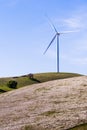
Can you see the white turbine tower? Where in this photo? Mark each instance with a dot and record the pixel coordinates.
(57, 35)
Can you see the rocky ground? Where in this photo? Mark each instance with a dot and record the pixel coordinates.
(53, 105)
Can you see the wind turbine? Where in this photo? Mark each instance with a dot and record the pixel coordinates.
(57, 35)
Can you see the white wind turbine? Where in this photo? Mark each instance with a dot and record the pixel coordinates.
(56, 36)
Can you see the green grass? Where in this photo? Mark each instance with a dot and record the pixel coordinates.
(29, 127)
(80, 127)
(38, 78)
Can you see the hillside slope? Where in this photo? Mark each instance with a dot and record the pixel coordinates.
(53, 105)
(37, 78)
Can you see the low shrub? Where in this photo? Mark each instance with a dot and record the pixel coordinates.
(12, 84)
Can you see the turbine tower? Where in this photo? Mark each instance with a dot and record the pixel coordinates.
(57, 35)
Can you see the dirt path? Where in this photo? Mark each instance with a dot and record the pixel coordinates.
(54, 105)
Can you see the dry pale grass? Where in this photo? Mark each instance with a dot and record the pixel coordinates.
(54, 105)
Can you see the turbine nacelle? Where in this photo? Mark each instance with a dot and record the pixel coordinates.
(58, 34)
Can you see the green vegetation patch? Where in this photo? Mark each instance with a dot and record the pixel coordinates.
(80, 127)
(37, 78)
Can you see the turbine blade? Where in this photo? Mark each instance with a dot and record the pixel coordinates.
(69, 31)
(50, 44)
(51, 23)
(53, 27)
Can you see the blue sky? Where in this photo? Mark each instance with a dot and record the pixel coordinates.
(25, 33)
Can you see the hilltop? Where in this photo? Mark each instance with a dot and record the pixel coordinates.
(38, 78)
(53, 105)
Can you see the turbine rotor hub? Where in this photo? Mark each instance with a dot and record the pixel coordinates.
(58, 34)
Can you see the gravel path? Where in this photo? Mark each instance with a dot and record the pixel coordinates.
(53, 105)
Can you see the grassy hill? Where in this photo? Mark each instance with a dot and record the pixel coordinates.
(38, 78)
(53, 105)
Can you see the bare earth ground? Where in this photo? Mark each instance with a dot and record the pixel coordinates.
(54, 105)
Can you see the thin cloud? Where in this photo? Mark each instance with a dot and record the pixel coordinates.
(77, 20)
(73, 23)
